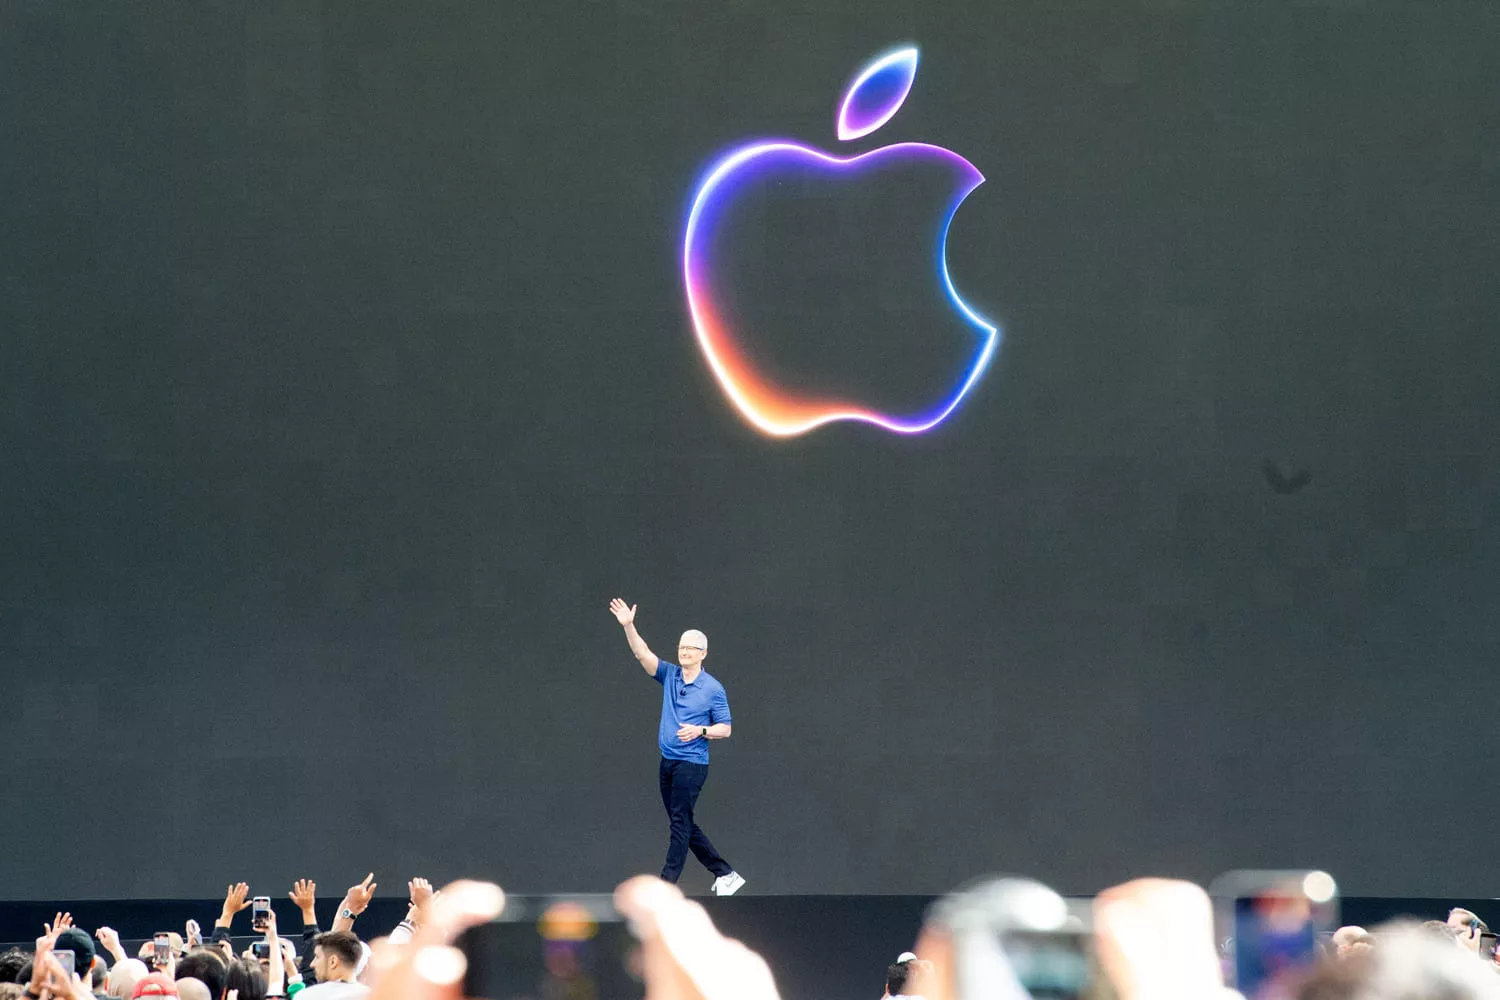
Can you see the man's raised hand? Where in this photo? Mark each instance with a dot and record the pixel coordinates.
(358, 897)
(421, 891)
(60, 923)
(305, 893)
(110, 939)
(235, 900)
(624, 613)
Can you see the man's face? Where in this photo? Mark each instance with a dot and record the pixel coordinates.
(320, 965)
(690, 656)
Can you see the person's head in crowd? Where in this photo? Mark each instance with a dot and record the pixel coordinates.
(192, 989)
(206, 965)
(12, 991)
(1466, 927)
(904, 977)
(245, 975)
(1350, 939)
(82, 946)
(336, 956)
(157, 984)
(100, 977)
(124, 976)
(11, 962)
(1411, 963)
(1440, 931)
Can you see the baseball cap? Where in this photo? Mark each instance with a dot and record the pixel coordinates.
(155, 985)
(692, 637)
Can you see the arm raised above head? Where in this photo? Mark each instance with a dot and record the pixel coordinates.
(625, 615)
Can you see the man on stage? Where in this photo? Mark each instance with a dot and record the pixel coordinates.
(694, 710)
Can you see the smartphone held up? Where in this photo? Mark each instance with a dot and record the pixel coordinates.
(1273, 924)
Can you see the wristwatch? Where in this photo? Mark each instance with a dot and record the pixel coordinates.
(347, 913)
(705, 732)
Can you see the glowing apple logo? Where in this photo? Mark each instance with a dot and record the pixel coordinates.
(874, 97)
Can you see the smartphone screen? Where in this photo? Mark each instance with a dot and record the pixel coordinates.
(261, 950)
(565, 947)
(1487, 943)
(1052, 965)
(65, 958)
(161, 949)
(259, 907)
(1277, 921)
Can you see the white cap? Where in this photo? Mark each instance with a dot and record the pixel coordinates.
(905, 956)
(692, 637)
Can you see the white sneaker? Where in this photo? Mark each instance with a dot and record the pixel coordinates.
(727, 885)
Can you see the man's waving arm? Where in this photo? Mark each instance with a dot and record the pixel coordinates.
(625, 615)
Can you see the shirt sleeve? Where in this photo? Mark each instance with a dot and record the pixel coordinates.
(663, 669)
(718, 710)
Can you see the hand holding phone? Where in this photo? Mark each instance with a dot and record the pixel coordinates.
(161, 949)
(259, 907)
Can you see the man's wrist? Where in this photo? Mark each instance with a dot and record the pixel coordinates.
(348, 913)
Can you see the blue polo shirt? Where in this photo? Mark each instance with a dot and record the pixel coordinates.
(701, 703)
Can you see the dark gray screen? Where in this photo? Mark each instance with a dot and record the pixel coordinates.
(345, 374)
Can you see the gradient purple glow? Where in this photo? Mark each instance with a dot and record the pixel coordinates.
(767, 407)
(855, 120)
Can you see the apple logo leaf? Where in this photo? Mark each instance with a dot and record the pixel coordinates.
(877, 93)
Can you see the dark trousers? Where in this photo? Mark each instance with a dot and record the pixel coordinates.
(681, 781)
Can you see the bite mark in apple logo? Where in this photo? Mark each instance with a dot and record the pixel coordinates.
(874, 97)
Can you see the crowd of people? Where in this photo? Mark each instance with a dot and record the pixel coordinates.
(1150, 939)
(68, 963)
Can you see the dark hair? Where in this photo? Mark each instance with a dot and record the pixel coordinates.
(341, 943)
(11, 963)
(96, 979)
(246, 975)
(80, 944)
(207, 966)
(896, 976)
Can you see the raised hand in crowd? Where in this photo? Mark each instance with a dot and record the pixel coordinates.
(1155, 940)
(110, 939)
(276, 975)
(305, 894)
(420, 891)
(684, 956)
(289, 964)
(429, 967)
(55, 981)
(355, 900)
(192, 934)
(59, 923)
(236, 898)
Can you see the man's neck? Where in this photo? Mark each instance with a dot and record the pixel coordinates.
(690, 674)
